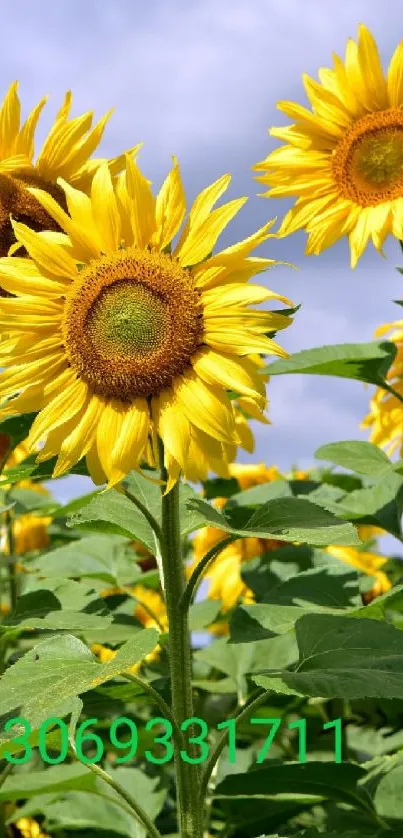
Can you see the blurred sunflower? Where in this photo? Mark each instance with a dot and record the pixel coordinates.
(150, 610)
(385, 417)
(343, 157)
(29, 828)
(368, 563)
(65, 153)
(116, 339)
(30, 531)
(225, 572)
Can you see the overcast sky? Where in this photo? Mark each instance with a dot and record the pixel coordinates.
(200, 79)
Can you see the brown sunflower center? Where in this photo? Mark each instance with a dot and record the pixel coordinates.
(368, 162)
(132, 323)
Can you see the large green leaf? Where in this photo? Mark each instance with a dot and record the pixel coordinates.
(381, 504)
(343, 658)
(367, 362)
(113, 513)
(287, 519)
(56, 778)
(102, 557)
(76, 799)
(323, 779)
(359, 456)
(43, 610)
(57, 670)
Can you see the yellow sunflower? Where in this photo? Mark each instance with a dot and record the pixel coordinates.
(385, 418)
(116, 337)
(368, 563)
(225, 572)
(343, 157)
(64, 153)
(151, 612)
(30, 531)
(29, 828)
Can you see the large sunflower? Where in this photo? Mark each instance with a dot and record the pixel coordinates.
(116, 338)
(343, 157)
(64, 153)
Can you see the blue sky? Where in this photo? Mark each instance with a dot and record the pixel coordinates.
(200, 79)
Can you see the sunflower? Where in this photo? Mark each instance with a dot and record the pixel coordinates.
(65, 153)
(29, 828)
(225, 572)
(385, 418)
(367, 563)
(150, 611)
(30, 531)
(117, 338)
(343, 157)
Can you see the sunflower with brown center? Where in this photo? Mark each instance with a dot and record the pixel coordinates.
(117, 337)
(343, 158)
(64, 153)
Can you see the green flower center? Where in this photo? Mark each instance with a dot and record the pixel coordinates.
(379, 158)
(128, 318)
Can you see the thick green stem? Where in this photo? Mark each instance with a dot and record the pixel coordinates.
(12, 573)
(190, 819)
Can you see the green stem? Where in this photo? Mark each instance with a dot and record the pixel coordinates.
(190, 805)
(12, 574)
(222, 741)
(189, 593)
(147, 514)
(390, 389)
(159, 701)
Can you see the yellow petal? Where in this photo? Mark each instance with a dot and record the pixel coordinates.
(218, 368)
(173, 426)
(22, 276)
(25, 140)
(142, 204)
(170, 208)
(206, 407)
(131, 440)
(105, 209)
(65, 406)
(82, 437)
(51, 257)
(9, 120)
(371, 69)
(202, 237)
(395, 77)
(360, 234)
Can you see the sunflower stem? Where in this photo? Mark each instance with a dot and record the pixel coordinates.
(191, 587)
(12, 573)
(190, 807)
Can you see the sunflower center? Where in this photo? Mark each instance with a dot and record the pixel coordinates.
(131, 324)
(128, 318)
(368, 162)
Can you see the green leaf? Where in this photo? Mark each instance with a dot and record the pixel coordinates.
(287, 519)
(58, 669)
(203, 613)
(42, 610)
(343, 658)
(99, 807)
(323, 779)
(113, 513)
(359, 456)
(369, 362)
(56, 778)
(100, 557)
(381, 504)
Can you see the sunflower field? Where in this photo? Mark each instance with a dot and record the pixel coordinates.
(199, 647)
